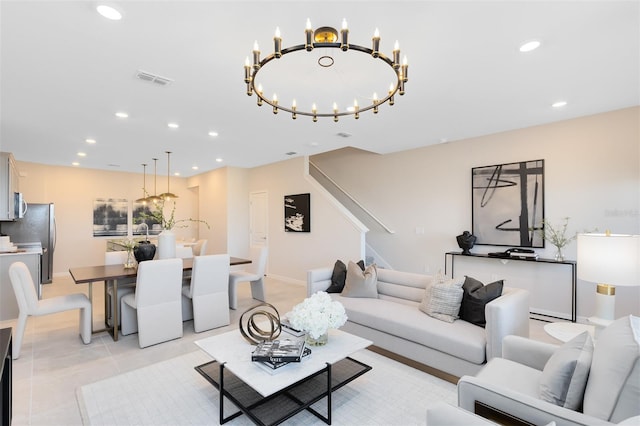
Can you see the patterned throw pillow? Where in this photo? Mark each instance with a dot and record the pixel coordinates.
(442, 299)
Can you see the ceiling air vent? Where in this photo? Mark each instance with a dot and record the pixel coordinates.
(343, 135)
(153, 78)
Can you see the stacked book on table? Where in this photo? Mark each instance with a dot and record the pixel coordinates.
(275, 354)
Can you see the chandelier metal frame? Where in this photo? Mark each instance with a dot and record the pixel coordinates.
(326, 37)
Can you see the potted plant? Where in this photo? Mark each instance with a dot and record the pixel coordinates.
(316, 315)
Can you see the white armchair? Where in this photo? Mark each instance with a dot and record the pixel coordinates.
(155, 309)
(512, 384)
(206, 299)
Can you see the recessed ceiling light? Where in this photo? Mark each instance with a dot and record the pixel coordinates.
(75, 163)
(529, 46)
(219, 160)
(559, 104)
(122, 114)
(82, 154)
(90, 141)
(194, 167)
(173, 125)
(109, 12)
(213, 134)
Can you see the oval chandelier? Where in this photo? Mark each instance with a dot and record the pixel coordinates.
(326, 37)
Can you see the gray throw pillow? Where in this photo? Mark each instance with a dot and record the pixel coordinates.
(361, 283)
(564, 377)
(442, 299)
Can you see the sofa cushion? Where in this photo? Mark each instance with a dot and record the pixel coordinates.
(442, 299)
(361, 283)
(613, 388)
(564, 377)
(339, 276)
(475, 297)
(459, 339)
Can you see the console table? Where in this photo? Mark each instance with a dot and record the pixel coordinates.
(5, 376)
(540, 261)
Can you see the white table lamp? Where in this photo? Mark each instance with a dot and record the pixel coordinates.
(609, 260)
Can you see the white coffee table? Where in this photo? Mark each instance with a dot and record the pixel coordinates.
(268, 398)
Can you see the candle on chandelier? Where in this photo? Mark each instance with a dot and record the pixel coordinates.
(314, 111)
(356, 109)
(375, 103)
(376, 44)
(274, 100)
(259, 93)
(256, 55)
(277, 43)
(391, 89)
(396, 55)
(335, 112)
(405, 69)
(293, 108)
(308, 32)
(345, 35)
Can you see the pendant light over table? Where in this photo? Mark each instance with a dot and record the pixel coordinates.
(154, 198)
(168, 195)
(143, 200)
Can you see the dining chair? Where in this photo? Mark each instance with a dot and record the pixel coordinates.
(206, 300)
(184, 252)
(254, 274)
(29, 305)
(124, 287)
(200, 248)
(154, 310)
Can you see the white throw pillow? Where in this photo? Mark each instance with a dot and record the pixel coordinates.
(361, 283)
(613, 389)
(565, 375)
(442, 299)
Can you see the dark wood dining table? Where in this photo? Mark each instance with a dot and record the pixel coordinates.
(112, 275)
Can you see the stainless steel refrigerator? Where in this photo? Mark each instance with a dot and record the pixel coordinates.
(37, 225)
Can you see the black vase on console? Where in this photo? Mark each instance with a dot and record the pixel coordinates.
(144, 250)
(466, 241)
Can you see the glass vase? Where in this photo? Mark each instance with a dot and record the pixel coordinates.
(130, 263)
(559, 255)
(320, 341)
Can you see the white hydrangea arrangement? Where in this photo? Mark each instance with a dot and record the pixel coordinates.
(317, 314)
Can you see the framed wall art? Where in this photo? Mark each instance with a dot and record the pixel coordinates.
(508, 204)
(297, 210)
(110, 217)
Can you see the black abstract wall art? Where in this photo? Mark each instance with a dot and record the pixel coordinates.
(297, 210)
(508, 204)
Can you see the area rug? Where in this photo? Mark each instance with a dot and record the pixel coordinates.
(173, 393)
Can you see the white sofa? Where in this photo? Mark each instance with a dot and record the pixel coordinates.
(394, 322)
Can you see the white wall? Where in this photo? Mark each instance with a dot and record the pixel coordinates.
(73, 191)
(592, 175)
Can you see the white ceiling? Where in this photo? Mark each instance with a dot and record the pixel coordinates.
(65, 71)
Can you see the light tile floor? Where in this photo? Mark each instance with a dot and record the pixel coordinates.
(54, 361)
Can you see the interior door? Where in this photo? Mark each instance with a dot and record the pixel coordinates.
(259, 219)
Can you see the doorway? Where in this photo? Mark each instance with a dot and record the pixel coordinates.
(258, 219)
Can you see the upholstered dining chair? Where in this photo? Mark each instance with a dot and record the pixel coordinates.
(29, 305)
(184, 252)
(254, 274)
(200, 248)
(206, 300)
(154, 310)
(124, 287)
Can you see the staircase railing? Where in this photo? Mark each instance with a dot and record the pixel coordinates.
(352, 199)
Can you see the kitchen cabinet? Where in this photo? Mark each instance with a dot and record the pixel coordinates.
(8, 186)
(31, 258)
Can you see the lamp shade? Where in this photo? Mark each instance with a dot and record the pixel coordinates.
(609, 259)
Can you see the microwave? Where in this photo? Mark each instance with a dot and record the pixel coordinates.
(20, 205)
